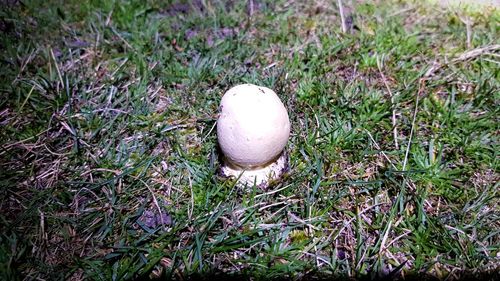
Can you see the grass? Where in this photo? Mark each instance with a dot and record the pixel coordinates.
(108, 159)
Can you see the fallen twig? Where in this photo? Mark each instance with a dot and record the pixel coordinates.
(463, 57)
(420, 89)
(476, 52)
(342, 17)
(394, 127)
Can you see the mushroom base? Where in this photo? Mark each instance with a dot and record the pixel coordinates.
(260, 176)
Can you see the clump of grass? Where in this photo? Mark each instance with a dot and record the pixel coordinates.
(108, 157)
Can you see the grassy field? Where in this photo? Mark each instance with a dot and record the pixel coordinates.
(108, 151)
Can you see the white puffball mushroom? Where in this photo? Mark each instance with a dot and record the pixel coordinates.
(252, 130)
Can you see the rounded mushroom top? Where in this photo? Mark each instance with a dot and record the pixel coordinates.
(253, 125)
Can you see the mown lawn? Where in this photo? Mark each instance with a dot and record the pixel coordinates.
(108, 150)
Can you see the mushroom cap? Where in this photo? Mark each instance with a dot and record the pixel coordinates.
(253, 125)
